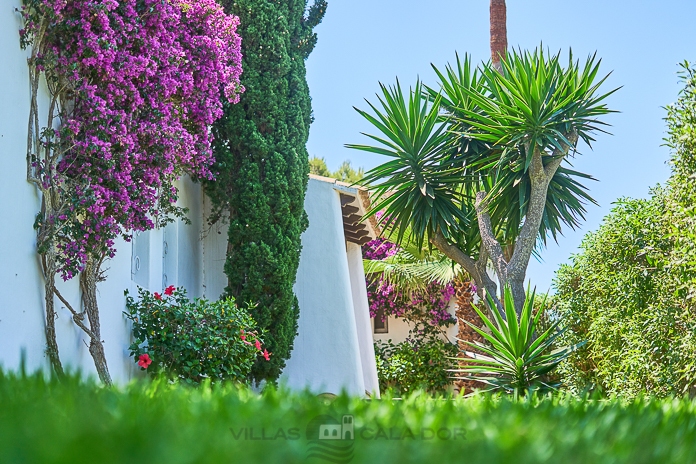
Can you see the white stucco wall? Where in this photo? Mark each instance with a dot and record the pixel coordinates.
(21, 313)
(362, 318)
(326, 353)
(214, 255)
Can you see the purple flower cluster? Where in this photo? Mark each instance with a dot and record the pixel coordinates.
(430, 303)
(380, 294)
(434, 300)
(144, 80)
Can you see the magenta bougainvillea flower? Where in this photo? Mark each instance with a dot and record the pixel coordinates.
(381, 295)
(146, 80)
(258, 344)
(144, 361)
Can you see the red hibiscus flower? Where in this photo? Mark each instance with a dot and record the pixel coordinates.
(244, 340)
(144, 361)
(266, 355)
(158, 297)
(258, 344)
(169, 290)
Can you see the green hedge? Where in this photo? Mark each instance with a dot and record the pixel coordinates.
(631, 290)
(155, 422)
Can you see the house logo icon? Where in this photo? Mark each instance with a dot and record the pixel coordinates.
(331, 440)
(342, 431)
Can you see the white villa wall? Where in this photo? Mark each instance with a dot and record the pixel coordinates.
(21, 314)
(215, 252)
(362, 318)
(326, 356)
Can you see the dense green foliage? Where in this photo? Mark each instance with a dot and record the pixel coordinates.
(621, 295)
(192, 340)
(75, 423)
(630, 290)
(495, 123)
(344, 173)
(681, 128)
(518, 354)
(411, 365)
(262, 166)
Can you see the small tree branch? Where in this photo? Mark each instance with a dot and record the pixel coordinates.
(77, 317)
(491, 244)
(540, 177)
(455, 254)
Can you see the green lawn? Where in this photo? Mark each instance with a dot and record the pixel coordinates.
(76, 422)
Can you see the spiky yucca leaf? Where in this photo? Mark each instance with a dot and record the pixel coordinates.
(417, 188)
(478, 132)
(514, 359)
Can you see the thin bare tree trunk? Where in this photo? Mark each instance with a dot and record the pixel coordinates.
(498, 32)
(88, 282)
(51, 339)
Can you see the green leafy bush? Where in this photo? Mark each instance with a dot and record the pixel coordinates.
(621, 296)
(415, 364)
(630, 291)
(193, 340)
(145, 422)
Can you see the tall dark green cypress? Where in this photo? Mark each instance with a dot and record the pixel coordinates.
(262, 167)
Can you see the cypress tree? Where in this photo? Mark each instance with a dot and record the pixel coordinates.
(262, 167)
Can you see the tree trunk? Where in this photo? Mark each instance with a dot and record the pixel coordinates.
(88, 282)
(498, 32)
(510, 271)
(465, 312)
(51, 340)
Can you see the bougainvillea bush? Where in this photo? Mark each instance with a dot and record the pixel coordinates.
(135, 85)
(193, 340)
(421, 361)
(426, 307)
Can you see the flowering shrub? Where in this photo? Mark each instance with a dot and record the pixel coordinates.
(136, 84)
(426, 308)
(193, 340)
(422, 360)
(413, 364)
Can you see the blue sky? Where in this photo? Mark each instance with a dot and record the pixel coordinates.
(362, 43)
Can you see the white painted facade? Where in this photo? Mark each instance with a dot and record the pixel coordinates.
(333, 350)
(398, 329)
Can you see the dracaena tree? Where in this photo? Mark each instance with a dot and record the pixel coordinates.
(476, 166)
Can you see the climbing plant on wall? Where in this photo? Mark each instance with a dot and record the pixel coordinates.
(262, 167)
(133, 88)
